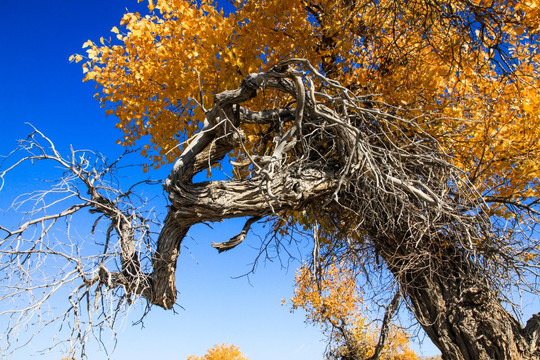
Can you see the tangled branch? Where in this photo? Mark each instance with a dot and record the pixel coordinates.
(40, 261)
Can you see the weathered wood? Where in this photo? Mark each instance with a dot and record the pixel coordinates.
(461, 315)
(217, 200)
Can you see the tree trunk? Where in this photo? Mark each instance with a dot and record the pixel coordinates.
(461, 315)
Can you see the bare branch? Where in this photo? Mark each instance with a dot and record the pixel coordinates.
(385, 327)
(237, 239)
(40, 258)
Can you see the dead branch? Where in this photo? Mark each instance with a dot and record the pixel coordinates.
(45, 255)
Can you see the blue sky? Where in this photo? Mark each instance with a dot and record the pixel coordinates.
(41, 87)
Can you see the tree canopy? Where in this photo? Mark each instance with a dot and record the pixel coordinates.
(472, 64)
(334, 302)
(221, 352)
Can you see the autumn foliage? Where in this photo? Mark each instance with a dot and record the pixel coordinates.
(334, 302)
(158, 71)
(221, 352)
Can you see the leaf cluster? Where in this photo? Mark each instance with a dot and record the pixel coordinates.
(334, 302)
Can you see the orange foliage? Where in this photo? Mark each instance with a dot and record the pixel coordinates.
(335, 304)
(472, 65)
(221, 352)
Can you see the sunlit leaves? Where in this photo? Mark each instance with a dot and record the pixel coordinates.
(334, 302)
(471, 66)
(221, 352)
(77, 58)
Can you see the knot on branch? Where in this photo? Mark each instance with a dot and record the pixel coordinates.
(255, 81)
(474, 296)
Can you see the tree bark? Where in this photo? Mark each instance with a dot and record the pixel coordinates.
(217, 200)
(461, 315)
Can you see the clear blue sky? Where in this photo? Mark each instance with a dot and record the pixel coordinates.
(40, 86)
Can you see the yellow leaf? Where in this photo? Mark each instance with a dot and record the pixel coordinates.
(75, 58)
(87, 44)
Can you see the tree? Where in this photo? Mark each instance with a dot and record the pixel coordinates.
(221, 352)
(402, 134)
(333, 301)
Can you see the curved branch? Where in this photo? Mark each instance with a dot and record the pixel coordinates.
(237, 239)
